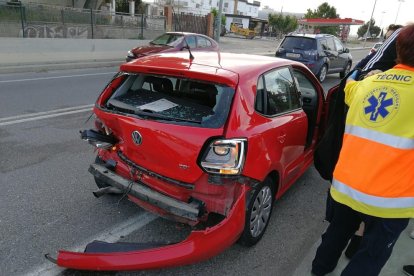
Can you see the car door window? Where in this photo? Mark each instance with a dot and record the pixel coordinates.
(203, 42)
(280, 92)
(260, 96)
(307, 90)
(191, 41)
(339, 46)
(330, 44)
(324, 44)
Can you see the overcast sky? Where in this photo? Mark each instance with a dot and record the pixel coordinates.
(385, 12)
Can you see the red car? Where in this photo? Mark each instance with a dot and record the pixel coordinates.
(210, 141)
(172, 42)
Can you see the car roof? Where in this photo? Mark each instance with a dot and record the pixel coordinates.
(315, 36)
(212, 66)
(183, 33)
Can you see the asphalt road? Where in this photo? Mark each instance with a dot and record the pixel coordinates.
(46, 203)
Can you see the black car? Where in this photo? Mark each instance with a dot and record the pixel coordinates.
(322, 53)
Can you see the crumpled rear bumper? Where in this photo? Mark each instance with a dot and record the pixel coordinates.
(199, 245)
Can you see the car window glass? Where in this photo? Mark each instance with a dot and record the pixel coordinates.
(260, 96)
(203, 42)
(281, 92)
(191, 41)
(330, 44)
(167, 39)
(173, 100)
(338, 45)
(302, 43)
(324, 44)
(306, 88)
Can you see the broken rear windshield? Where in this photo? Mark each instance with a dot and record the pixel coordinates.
(173, 100)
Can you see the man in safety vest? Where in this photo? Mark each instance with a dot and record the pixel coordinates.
(373, 180)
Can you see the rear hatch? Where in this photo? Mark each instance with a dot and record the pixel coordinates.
(163, 122)
(302, 49)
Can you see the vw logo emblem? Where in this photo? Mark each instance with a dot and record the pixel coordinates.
(136, 137)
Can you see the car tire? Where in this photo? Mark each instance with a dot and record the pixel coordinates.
(99, 182)
(346, 70)
(322, 73)
(258, 213)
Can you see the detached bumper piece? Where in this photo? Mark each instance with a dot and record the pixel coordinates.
(198, 246)
(140, 191)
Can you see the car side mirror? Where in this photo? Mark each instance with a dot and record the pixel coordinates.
(346, 50)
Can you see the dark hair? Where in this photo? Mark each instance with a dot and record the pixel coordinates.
(394, 27)
(404, 45)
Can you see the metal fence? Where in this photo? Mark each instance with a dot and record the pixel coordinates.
(47, 21)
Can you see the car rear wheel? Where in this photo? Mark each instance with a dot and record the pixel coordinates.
(258, 214)
(322, 73)
(346, 70)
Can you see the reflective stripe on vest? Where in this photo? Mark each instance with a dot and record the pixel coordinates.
(379, 137)
(375, 201)
(357, 203)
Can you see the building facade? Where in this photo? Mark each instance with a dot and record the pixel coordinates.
(203, 7)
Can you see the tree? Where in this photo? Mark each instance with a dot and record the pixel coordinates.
(282, 24)
(374, 31)
(324, 11)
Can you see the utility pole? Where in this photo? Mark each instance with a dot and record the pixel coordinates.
(398, 11)
(218, 22)
(369, 23)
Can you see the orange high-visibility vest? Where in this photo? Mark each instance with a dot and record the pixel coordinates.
(375, 171)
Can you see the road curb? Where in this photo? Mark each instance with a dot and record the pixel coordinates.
(37, 68)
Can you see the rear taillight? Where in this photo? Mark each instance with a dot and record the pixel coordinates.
(312, 54)
(225, 156)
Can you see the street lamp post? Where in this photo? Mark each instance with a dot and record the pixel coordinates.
(369, 23)
(382, 18)
(218, 21)
(398, 10)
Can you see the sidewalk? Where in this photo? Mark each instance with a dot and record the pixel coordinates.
(403, 254)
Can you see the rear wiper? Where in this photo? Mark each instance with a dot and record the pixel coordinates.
(148, 113)
(116, 104)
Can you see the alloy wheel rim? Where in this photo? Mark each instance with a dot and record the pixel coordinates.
(261, 211)
(347, 69)
(323, 74)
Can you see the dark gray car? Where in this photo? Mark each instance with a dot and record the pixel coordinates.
(322, 53)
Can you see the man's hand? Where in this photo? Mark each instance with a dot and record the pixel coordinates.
(353, 76)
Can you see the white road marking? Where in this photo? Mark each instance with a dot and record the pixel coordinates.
(58, 77)
(112, 234)
(44, 112)
(44, 115)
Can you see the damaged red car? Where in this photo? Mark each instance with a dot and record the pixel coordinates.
(210, 140)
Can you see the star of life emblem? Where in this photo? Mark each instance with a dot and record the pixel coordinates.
(380, 106)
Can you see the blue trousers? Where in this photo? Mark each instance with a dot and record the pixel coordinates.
(379, 238)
